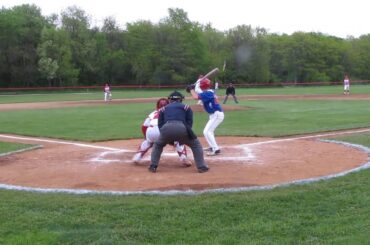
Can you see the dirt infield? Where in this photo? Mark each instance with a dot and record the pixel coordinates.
(107, 166)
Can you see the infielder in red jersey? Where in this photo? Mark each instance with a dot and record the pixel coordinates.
(107, 92)
(346, 84)
(151, 133)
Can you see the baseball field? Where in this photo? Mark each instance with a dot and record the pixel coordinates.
(294, 169)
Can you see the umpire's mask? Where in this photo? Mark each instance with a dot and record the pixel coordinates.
(176, 96)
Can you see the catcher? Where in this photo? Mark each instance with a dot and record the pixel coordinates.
(151, 133)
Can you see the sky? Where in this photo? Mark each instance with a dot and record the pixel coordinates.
(341, 18)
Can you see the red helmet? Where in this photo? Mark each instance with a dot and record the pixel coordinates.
(205, 84)
(162, 102)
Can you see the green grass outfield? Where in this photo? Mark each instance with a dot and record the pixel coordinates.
(335, 211)
(262, 118)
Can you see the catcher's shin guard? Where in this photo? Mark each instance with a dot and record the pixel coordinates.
(144, 147)
(181, 151)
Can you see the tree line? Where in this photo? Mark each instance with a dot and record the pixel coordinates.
(66, 50)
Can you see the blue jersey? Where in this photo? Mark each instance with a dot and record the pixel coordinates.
(210, 101)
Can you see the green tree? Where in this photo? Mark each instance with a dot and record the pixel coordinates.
(251, 54)
(55, 62)
(183, 53)
(279, 57)
(142, 51)
(83, 44)
(20, 33)
(360, 58)
(217, 50)
(260, 59)
(111, 55)
(315, 57)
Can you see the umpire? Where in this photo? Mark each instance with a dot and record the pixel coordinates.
(175, 124)
(230, 90)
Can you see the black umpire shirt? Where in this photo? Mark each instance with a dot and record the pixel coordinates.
(176, 111)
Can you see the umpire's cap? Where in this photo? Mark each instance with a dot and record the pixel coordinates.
(176, 96)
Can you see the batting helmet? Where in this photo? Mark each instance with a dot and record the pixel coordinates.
(162, 102)
(205, 84)
(176, 96)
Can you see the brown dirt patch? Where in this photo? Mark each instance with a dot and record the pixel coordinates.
(241, 164)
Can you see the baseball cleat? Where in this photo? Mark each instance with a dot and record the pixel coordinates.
(152, 169)
(208, 149)
(214, 153)
(186, 162)
(203, 169)
(137, 157)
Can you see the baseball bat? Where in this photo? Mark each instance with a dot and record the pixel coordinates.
(210, 74)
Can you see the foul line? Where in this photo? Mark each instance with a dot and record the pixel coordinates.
(60, 142)
(21, 150)
(309, 137)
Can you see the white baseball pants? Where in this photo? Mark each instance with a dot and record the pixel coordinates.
(152, 135)
(209, 131)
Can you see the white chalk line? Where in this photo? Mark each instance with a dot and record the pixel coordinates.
(308, 137)
(62, 142)
(100, 158)
(46, 94)
(195, 192)
(34, 147)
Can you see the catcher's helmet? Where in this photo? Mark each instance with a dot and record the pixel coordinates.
(176, 96)
(205, 84)
(162, 102)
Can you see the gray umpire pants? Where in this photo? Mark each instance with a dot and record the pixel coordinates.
(234, 97)
(176, 131)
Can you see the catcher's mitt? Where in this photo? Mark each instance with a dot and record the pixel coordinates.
(190, 87)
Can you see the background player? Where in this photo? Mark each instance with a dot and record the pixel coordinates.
(346, 84)
(151, 133)
(230, 90)
(107, 92)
